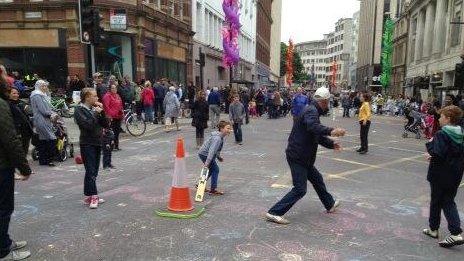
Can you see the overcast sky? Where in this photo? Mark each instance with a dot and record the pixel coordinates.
(306, 20)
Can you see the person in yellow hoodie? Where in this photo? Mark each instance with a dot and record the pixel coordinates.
(364, 121)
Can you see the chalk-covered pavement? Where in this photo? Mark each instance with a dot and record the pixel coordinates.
(384, 197)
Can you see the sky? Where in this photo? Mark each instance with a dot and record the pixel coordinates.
(306, 20)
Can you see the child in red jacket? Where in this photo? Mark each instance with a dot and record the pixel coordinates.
(148, 99)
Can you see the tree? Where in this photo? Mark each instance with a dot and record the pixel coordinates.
(299, 75)
(387, 52)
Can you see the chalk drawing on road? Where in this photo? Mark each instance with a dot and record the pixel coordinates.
(23, 211)
(402, 210)
(48, 196)
(366, 205)
(289, 257)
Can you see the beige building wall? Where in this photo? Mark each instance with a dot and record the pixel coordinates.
(275, 39)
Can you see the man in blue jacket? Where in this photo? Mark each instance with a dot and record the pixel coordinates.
(307, 133)
(214, 102)
(298, 104)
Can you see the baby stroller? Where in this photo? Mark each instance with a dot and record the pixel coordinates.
(414, 124)
(64, 148)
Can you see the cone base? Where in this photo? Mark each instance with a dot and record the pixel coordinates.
(180, 200)
(180, 215)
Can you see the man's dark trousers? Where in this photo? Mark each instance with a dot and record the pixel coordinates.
(300, 175)
(238, 132)
(6, 208)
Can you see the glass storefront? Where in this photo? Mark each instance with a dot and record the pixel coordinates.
(48, 63)
(115, 56)
(157, 68)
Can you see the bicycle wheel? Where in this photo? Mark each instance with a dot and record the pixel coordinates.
(135, 126)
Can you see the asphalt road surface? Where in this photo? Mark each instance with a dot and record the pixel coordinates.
(384, 197)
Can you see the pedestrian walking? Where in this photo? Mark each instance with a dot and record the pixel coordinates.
(211, 150)
(364, 122)
(171, 106)
(12, 156)
(112, 104)
(346, 104)
(237, 115)
(43, 116)
(160, 93)
(446, 156)
(91, 119)
(148, 99)
(301, 153)
(214, 102)
(126, 91)
(200, 112)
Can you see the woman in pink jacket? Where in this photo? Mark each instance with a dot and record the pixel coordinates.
(148, 99)
(114, 110)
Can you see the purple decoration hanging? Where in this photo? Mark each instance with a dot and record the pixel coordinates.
(230, 33)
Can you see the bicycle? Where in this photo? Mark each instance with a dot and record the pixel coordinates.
(135, 125)
(61, 108)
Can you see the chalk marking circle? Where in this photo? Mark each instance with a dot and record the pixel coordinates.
(366, 205)
(290, 257)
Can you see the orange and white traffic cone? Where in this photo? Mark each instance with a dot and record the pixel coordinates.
(179, 199)
(180, 202)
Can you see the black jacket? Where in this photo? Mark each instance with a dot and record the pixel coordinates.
(90, 125)
(200, 114)
(22, 121)
(447, 163)
(12, 154)
(307, 133)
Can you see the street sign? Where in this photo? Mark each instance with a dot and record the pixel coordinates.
(118, 19)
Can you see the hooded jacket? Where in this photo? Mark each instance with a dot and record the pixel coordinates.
(42, 111)
(298, 104)
(90, 125)
(447, 163)
(307, 133)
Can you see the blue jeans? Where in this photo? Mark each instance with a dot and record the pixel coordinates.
(238, 132)
(443, 199)
(91, 158)
(148, 113)
(6, 208)
(300, 175)
(213, 171)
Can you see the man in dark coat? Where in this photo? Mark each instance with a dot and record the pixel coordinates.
(160, 93)
(12, 156)
(307, 133)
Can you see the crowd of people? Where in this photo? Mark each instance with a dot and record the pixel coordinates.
(101, 110)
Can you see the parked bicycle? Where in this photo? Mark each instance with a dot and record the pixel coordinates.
(135, 124)
(61, 108)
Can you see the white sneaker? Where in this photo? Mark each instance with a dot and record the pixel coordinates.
(17, 255)
(16, 245)
(430, 233)
(277, 219)
(334, 207)
(451, 241)
(87, 200)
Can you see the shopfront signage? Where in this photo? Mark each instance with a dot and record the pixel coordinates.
(32, 15)
(118, 19)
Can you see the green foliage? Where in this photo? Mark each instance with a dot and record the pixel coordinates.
(387, 53)
(283, 59)
(298, 70)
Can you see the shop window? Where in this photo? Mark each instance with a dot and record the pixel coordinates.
(115, 56)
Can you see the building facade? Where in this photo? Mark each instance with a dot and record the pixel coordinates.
(435, 47)
(313, 56)
(371, 18)
(339, 52)
(275, 41)
(353, 61)
(207, 22)
(263, 42)
(400, 51)
(43, 37)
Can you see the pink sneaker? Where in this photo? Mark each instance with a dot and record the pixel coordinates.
(88, 199)
(93, 202)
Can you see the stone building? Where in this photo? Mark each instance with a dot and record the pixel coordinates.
(275, 41)
(43, 37)
(400, 51)
(313, 56)
(263, 42)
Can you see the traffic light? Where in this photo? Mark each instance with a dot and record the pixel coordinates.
(98, 33)
(90, 20)
(459, 76)
(85, 20)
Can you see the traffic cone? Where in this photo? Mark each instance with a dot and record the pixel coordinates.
(179, 199)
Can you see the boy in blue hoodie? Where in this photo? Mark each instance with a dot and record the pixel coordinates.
(211, 150)
(446, 168)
